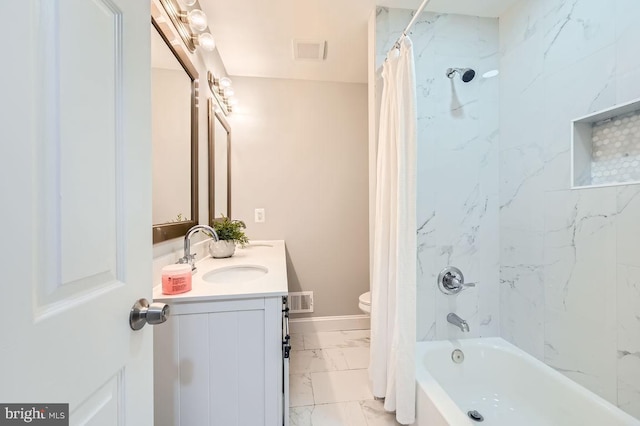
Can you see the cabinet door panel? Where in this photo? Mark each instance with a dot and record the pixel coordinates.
(194, 367)
(222, 368)
(237, 368)
(251, 378)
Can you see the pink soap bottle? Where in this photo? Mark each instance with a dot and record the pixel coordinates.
(176, 279)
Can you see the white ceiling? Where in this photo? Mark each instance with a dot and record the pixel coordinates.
(254, 37)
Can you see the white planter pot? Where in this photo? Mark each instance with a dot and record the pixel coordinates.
(222, 248)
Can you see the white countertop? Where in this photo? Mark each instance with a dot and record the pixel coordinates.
(269, 254)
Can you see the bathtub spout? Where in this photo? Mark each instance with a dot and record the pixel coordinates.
(458, 322)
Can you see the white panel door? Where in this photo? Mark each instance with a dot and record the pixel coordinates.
(75, 157)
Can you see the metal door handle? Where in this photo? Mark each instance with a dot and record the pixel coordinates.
(142, 313)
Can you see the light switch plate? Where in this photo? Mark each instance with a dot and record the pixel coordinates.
(259, 215)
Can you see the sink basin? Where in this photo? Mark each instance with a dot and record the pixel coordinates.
(235, 274)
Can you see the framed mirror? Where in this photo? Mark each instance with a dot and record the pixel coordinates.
(219, 163)
(174, 112)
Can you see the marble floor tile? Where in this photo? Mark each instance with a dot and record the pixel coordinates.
(355, 358)
(296, 341)
(300, 390)
(316, 360)
(336, 339)
(340, 386)
(340, 414)
(375, 414)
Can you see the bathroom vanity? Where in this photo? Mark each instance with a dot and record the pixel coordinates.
(220, 357)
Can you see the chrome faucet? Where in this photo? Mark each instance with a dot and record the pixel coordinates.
(191, 258)
(457, 321)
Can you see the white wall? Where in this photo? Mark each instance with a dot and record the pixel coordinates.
(457, 166)
(570, 259)
(299, 150)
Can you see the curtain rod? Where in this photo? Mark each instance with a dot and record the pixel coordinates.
(396, 45)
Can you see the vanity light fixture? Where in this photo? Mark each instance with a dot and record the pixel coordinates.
(222, 92)
(191, 25)
(206, 41)
(196, 18)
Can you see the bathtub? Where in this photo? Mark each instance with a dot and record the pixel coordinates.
(503, 384)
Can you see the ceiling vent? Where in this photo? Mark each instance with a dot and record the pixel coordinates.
(314, 50)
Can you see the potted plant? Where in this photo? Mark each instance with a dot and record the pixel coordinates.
(230, 232)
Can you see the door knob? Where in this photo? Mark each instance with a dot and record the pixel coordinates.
(142, 313)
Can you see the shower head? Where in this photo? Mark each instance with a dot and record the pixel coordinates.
(466, 74)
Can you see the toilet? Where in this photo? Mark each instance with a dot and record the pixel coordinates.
(364, 302)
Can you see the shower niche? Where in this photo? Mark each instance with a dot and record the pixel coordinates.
(606, 147)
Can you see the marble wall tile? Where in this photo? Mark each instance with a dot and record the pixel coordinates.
(458, 137)
(575, 29)
(580, 253)
(628, 86)
(591, 83)
(628, 379)
(579, 269)
(426, 293)
(583, 349)
(628, 358)
(562, 250)
(519, 24)
(628, 314)
(523, 67)
(522, 307)
(627, 33)
(522, 187)
(628, 230)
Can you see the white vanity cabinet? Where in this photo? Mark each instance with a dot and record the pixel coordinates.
(220, 363)
(219, 358)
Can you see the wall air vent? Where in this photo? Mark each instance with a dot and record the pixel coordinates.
(314, 50)
(301, 302)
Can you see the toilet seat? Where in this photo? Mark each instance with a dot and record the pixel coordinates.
(364, 302)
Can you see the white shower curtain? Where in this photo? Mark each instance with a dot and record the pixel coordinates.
(393, 288)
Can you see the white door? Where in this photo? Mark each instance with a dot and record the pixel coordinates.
(75, 157)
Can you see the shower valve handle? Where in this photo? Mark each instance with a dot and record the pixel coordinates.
(451, 281)
(468, 284)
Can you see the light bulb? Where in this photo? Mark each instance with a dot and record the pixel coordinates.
(228, 92)
(225, 82)
(232, 101)
(197, 19)
(189, 2)
(206, 41)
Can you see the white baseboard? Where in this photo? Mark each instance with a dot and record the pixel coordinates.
(336, 323)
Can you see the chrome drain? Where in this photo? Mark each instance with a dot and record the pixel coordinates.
(475, 416)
